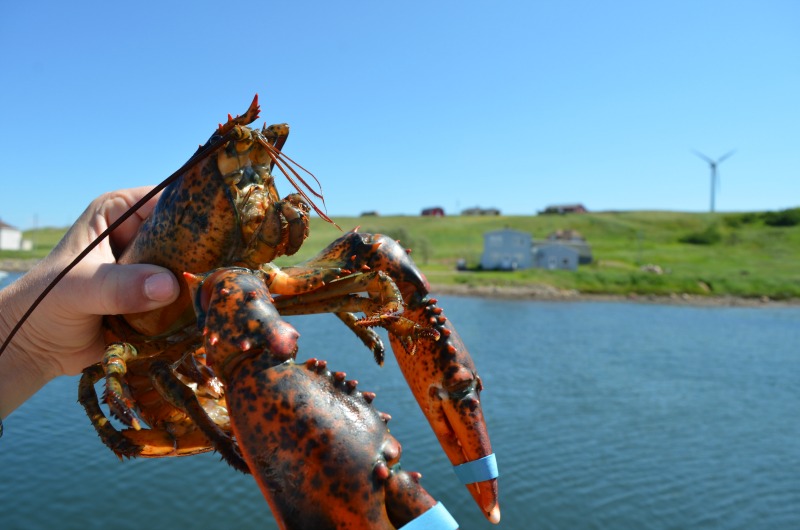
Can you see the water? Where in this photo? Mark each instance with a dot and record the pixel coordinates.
(603, 415)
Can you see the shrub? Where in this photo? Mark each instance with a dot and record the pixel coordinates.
(790, 217)
(709, 236)
(736, 220)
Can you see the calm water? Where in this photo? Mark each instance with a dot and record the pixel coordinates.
(603, 415)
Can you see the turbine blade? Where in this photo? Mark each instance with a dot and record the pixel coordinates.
(701, 155)
(726, 155)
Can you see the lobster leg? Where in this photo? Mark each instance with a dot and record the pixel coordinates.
(147, 443)
(181, 397)
(87, 396)
(441, 374)
(367, 335)
(338, 296)
(167, 400)
(383, 307)
(117, 395)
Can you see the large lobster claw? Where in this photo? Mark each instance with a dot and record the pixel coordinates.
(321, 454)
(440, 373)
(443, 379)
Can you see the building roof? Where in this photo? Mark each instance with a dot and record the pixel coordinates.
(566, 235)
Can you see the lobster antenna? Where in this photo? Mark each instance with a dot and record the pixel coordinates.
(283, 162)
(211, 146)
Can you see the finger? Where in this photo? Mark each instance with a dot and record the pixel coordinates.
(122, 289)
(102, 212)
(117, 204)
(137, 193)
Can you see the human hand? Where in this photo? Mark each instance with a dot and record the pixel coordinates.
(63, 335)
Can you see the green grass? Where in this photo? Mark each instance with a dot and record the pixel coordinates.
(744, 256)
(702, 254)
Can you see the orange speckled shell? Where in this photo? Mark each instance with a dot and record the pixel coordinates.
(194, 216)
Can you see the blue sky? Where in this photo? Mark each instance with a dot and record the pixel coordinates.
(397, 106)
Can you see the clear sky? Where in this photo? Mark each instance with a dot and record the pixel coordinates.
(397, 106)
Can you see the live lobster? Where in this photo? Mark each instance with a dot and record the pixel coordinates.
(201, 373)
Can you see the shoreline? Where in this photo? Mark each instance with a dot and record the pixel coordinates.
(545, 293)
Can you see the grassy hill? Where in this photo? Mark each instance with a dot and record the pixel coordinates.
(737, 254)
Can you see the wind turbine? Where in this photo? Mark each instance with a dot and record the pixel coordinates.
(714, 176)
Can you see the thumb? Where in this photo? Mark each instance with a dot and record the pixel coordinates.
(132, 289)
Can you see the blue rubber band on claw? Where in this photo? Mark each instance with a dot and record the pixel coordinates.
(478, 470)
(437, 518)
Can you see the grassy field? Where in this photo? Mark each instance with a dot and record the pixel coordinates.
(749, 255)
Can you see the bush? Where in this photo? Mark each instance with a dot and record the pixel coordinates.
(737, 220)
(790, 217)
(709, 236)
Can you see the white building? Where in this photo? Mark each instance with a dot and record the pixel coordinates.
(10, 237)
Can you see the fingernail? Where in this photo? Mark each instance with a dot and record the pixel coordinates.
(159, 287)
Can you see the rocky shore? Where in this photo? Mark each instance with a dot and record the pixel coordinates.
(551, 294)
(542, 292)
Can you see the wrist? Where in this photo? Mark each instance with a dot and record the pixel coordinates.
(22, 374)
(19, 380)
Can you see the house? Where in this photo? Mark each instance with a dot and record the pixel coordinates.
(506, 250)
(10, 237)
(563, 209)
(435, 211)
(555, 256)
(573, 239)
(480, 211)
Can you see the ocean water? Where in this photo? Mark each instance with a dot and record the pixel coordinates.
(602, 415)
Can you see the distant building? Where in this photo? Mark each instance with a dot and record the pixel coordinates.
(506, 250)
(435, 211)
(562, 209)
(480, 211)
(573, 239)
(10, 237)
(555, 256)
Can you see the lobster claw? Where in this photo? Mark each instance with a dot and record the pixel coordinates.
(444, 381)
(440, 373)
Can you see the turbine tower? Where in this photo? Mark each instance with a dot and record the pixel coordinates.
(714, 176)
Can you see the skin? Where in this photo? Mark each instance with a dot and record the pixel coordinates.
(63, 335)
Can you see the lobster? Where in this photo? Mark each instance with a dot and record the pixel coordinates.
(222, 209)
